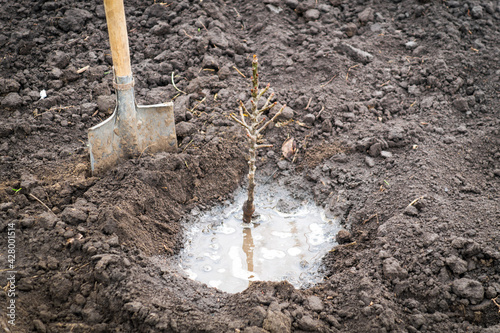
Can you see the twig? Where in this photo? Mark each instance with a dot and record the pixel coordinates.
(323, 85)
(342, 246)
(320, 111)
(494, 300)
(347, 76)
(187, 34)
(308, 103)
(173, 83)
(295, 155)
(192, 110)
(371, 217)
(239, 72)
(142, 152)
(83, 69)
(41, 202)
(188, 145)
(203, 25)
(416, 200)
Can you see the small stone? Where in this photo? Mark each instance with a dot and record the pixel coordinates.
(276, 321)
(287, 113)
(469, 289)
(448, 139)
(74, 19)
(366, 15)
(350, 29)
(210, 62)
(218, 38)
(52, 263)
(338, 123)
(414, 90)
(184, 129)
(9, 85)
(12, 100)
(312, 14)
(369, 161)
(477, 12)
(315, 303)
(292, 3)
(6, 206)
(307, 323)
(461, 104)
(343, 237)
(375, 149)
(48, 220)
(224, 73)
(429, 238)
(106, 103)
(340, 158)
(392, 269)
(27, 222)
(411, 45)
(274, 9)
(490, 292)
(39, 326)
(457, 265)
(180, 106)
(418, 320)
(309, 119)
(88, 108)
(376, 27)
(326, 126)
(256, 316)
(462, 129)
(162, 28)
(411, 210)
(73, 216)
(283, 165)
(355, 53)
(385, 154)
(419, 50)
(58, 59)
(114, 241)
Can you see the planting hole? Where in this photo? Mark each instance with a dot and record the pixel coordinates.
(285, 242)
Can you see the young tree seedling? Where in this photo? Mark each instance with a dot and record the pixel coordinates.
(254, 126)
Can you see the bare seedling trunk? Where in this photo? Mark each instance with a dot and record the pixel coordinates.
(254, 126)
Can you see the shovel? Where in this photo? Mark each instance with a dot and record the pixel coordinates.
(131, 129)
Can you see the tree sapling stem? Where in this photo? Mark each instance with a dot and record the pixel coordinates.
(254, 126)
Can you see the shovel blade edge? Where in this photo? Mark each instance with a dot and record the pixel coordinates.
(155, 133)
(156, 128)
(104, 146)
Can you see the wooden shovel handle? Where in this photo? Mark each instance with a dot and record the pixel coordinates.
(118, 39)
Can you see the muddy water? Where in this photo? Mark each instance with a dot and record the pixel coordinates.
(285, 242)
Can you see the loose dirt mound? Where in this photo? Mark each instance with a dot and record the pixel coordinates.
(394, 108)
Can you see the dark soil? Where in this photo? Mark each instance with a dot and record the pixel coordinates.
(394, 106)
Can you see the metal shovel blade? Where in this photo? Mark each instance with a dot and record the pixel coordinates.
(131, 131)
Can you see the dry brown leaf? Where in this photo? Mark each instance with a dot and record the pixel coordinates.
(289, 148)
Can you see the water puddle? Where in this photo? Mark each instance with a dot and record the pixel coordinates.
(286, 242)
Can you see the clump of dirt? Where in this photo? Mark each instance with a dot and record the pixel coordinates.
(394, 109)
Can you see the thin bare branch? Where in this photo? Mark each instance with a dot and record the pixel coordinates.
(272, 119)
(239, 121)
(263, 91)
(266, 105)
